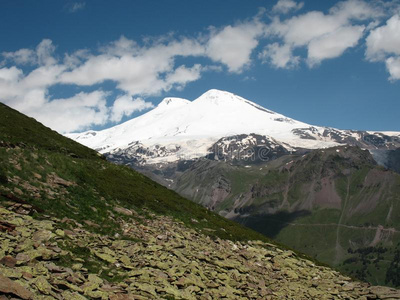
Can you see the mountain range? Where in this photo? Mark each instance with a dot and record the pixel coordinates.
(75, 226)
(332, 194)
(179, 129)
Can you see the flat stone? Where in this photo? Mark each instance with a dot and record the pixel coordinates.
(123, 211)
(121, 297)
(42, 285)
(384, 292)
(60, 232)
(8, 286)
(42, 236)
(8, 261)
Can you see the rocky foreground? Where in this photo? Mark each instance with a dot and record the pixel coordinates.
(155, 258)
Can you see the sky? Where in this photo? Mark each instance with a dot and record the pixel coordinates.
(92, 64)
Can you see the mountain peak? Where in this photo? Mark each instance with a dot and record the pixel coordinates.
(173, 102)
(215, 96)
(216, 92)
(221, 98)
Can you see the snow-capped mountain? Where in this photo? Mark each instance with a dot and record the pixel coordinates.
(182, 129)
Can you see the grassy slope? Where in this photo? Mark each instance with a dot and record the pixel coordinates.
(355, 254)
(29, 149)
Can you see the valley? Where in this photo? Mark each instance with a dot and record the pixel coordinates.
(74, 226)
(326, 192)
(200, 150)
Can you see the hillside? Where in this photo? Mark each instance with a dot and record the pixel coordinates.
(74, 226)
(61, 176)
(233, 156)
(335, 204)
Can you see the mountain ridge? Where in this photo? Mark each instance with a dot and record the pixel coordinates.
(190, 128)
(74, 226)
(272, 186)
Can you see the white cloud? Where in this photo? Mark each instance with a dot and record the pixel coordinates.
(137, 73)
(383, 44)
(182, 75)
(21, 57)
(333, 44)
(15, 87)
(135, 70)
(384, 40)
(393, 66)
(356, 10)
(285, 6)
(126, 105)
(76, 113)
(323, 35)
(121, 47)
(44, 52)
(279, 56)
(29, 94)
(300, 30)
(75, 59)
(10, 74)
(233, 45)
(152, 67)
(74, 7)
(43, 55)
(64, 115)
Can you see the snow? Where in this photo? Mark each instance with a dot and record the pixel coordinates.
(194, 126)
(389, 133)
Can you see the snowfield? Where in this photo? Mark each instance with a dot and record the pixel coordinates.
(187, 129)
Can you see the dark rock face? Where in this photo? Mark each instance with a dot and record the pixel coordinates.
(246, 149)
(253, 148)
(219, 191)
(389, 159)
(137, 154)
(305, 133)
(393, 161)
(363, 139)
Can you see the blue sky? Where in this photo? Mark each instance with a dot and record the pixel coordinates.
(78, 65)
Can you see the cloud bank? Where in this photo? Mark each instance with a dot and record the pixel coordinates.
(143, 69)
(383, 44)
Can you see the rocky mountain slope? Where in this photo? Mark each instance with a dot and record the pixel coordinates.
(336, 205)
(257, 167)
(74, 226)
(156, 258)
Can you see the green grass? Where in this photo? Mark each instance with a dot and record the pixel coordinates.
(321, 216)
(357, 180)
(98, 184)
(295, 193)
(317, 241)
(274, 178)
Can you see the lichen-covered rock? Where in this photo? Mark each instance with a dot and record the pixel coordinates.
(8, 261)
(42, 285)
(8, 286)
(155, 259)
(106, 257)
(67, 295)
(123, 211)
